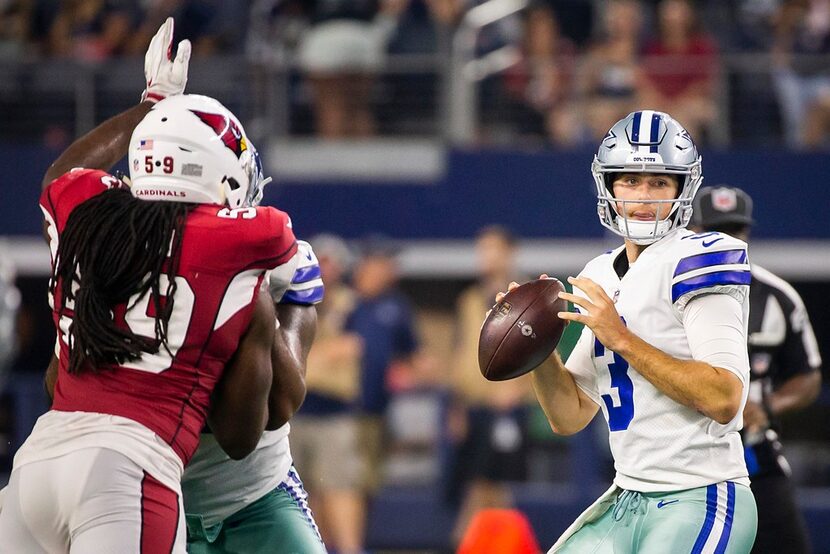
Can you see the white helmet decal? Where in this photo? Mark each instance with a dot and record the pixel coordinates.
(190, 148)
(646, 142)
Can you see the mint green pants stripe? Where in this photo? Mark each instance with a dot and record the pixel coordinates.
(718, 519)
(277, 523)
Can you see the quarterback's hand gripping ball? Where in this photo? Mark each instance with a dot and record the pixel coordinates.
(164, 75)
(521, 330)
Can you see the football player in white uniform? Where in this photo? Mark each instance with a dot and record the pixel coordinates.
(663, 355)
(258, 503)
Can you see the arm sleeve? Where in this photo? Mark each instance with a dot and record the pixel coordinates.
(406, 340)
(701, 272)
(65, 193)
(580, 364)
(715, 327)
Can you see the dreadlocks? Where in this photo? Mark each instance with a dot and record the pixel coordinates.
(115, 246)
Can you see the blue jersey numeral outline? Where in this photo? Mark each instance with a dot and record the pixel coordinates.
(619, 417)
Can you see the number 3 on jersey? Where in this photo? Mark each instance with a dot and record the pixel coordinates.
(620, 398)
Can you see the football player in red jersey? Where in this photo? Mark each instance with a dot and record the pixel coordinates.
(161, 322)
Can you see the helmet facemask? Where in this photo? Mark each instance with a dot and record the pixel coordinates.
(256, 178)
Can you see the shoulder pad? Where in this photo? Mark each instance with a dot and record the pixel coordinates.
(709, 263)
(241, 238)
(62, 195)
(306, 285)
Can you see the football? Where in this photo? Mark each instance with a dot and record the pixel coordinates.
(522, 330)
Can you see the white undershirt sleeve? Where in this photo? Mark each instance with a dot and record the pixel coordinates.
(716, 330)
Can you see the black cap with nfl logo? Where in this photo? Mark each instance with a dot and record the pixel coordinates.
(721, 205)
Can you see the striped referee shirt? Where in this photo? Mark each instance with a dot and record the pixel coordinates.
(782, 345)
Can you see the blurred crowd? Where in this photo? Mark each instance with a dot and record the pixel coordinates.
(563, 70)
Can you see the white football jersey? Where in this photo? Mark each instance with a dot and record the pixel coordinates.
(214, 485)
(658, 444)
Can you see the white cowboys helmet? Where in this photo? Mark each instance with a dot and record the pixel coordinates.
(646, 142)
(190, 148)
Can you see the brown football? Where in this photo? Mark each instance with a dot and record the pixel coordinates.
(522, 330)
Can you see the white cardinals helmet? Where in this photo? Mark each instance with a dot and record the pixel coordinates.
(190, 148)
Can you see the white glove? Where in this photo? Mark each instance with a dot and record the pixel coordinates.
(165, 76)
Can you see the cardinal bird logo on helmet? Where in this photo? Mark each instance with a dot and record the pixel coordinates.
(226, 129)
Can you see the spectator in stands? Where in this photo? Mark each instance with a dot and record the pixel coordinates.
(740, 25)
(746, 27)
(325, 431)
(489, 420)
(425, 26)
(14, 28)
(383, 319)
(544, 78)
(680, 68)
(785, 375)
(9, 304)
(802, 77)
(610, 69)
(340, 54)
(213, 27)
(576, 18)
(90, 30)
(274, 28)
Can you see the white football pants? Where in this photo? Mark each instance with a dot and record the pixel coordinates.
(92, 500)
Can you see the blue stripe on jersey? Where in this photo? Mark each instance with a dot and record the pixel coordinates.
(308, 296)
(709, 280)
(722, 257)
(711, 508)
(306, 274)
(730, 514)
(635, 128)
(655, 129)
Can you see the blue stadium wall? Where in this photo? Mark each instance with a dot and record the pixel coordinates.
(539, 194)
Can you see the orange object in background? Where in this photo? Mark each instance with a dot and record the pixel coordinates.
(499, 532)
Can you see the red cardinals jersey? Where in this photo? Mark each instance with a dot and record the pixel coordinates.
(224, 257)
